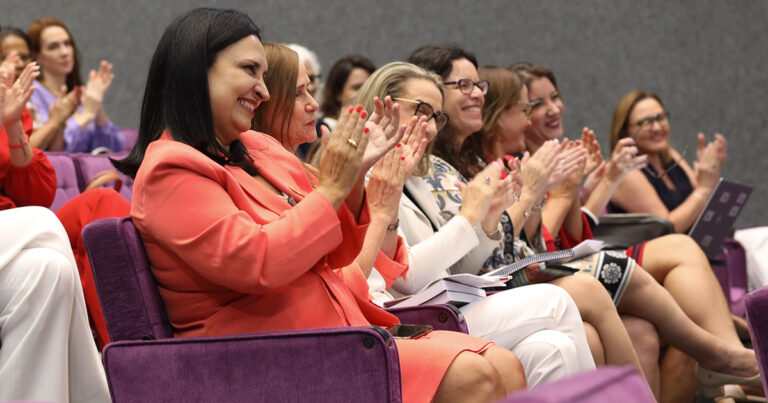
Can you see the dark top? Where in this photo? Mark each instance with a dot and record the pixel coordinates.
(670, 197)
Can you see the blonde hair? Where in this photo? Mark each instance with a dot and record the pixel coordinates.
(390, 80)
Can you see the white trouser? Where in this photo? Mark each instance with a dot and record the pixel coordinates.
(540, 324)
(47, 351)
(755, 243)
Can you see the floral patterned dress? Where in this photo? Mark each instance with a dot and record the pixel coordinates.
(612, 268)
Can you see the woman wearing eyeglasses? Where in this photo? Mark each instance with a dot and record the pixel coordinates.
(668, 187)
(675, 261)
(548, 335)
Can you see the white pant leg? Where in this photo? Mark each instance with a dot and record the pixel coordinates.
(508, 318)
(547, 355)
(755, 243)
(47, 352)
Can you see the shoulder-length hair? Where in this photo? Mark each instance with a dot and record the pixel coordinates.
(620, 123)
(440, 58)
(176, 96)
(504, 89)
(390, 80)
(274, 116)
(528, 72)
(337, 77)
(34, 34)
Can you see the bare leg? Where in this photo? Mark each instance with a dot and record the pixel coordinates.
(645, 339)
(679, 264)
(508, 366)
(595, 344)
(678, 377)
(597, 309)
(646, 299)
(470, 378)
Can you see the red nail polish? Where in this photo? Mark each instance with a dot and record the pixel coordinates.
(364, 114)
(402, 158)
(351, 109)
(366, 130)
(399, 145)
(359, 108)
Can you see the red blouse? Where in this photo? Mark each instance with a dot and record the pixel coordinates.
(31, 185)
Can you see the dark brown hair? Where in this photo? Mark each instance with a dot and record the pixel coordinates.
(337, 77)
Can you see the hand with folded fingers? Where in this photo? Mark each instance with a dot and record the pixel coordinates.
(342, 159)
(477, 195)
(65, 105)
(383, 130)
(574, 161)
(624, 160)
(507, 192)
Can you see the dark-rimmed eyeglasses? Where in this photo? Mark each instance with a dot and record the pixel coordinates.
(425, 109)
(466, 85)
(646, 123)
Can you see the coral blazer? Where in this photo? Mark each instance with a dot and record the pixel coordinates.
(231, 256)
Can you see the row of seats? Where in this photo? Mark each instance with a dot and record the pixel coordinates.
(74, 172)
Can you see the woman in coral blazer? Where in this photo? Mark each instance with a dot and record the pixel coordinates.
(238, 237)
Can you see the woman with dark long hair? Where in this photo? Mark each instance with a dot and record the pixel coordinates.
(240, 237)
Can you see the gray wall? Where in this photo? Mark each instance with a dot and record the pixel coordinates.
(705, 58)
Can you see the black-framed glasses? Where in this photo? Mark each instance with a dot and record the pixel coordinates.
(466, 85)
(650, 171)
(646, 123)
(425, 109)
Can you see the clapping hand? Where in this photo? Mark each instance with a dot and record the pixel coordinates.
(342, 158)
(383, 129)
(17, 93)
(624, 160)
(593, 157)
(94, 91)
(709, 159)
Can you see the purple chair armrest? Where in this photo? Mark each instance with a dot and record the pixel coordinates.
(440, 317)
(605, 384)
(335, 365)
(756, 304)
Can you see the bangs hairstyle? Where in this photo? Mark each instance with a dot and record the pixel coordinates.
(503, 93)
(177, 97)
(390, 80)
(337, 77)
(620, 123)
(439, 58)
(274, 116)
(74, 79)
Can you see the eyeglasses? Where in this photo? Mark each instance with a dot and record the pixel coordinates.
(650, 171)
(466, 85)
(647, 123)
(425, 109)
(528, 109)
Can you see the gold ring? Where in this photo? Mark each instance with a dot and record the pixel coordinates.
(351, 142)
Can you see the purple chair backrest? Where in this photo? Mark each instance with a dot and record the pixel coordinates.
(89, 165)
(66, 179)
(131, 135)
(756, 305)
(130, 301)
(730, 267)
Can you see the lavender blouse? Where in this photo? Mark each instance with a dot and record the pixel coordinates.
(78, 139)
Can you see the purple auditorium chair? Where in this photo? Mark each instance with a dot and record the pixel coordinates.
(145, 363)
(131, 135)
(756, 304)
(730, 267)
(606, 384)
(98, 171)
(66, 178)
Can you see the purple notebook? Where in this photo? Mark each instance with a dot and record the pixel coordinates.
(716, 220)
